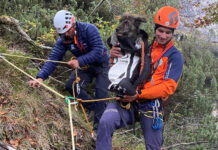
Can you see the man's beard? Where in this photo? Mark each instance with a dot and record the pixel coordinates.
(67, 39)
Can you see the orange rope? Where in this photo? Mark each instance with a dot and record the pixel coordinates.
(81, 106)
(86, 118)
(96, 100)
(86, 101)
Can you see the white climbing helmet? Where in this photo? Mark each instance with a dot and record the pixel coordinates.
(63, 21)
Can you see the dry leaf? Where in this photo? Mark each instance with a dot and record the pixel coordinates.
(77, 144)
(36, 119)
(2, 113)
(75, 133)
(54, 105)
(32, 142)
(14, 143)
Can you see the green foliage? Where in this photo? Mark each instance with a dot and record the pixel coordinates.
(49, 38)
(190, 119)
(214, 85)
(3, 48)
(145, 8)
(106, 28)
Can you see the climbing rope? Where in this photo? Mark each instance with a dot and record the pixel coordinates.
(50, 89)
(81, 106)
(67, 99)
(71, 120)
(85, 101)
(60, 95)
(45, 60)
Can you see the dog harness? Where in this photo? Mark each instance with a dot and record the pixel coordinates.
(130, 70)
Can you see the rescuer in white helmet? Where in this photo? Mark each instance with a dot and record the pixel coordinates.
(85, 42)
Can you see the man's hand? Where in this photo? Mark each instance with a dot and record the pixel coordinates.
(116, 51)
(34, 84)
(127, 98)
(73, 63)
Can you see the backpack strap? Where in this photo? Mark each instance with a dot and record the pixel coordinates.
(145, 66)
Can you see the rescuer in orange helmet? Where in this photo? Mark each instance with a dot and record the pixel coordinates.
(167, 65)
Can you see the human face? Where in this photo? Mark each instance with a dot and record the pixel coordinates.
(69, 35)
(163, 35)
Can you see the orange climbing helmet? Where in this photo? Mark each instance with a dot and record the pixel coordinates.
(167, 16)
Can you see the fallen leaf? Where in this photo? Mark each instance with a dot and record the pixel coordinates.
(32, 142)
(2, 113)
(75, 133)
(36, 119)
(14, 143)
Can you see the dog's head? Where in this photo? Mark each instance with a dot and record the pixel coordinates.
(129, 25)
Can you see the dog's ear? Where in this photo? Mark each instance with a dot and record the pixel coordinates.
(139, 20)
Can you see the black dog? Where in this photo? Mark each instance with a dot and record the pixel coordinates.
(124, 74)
(128, 32)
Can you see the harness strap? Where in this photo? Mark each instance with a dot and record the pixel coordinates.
(165, 49)
(146, 114)
(121, 115)
(131, 108)
(142, 57)
(162, 53)
(132, 112)
(127, 106)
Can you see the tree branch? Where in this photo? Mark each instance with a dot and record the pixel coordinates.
(182, 144)
(99, 4)
(10, 21)
(6, 146)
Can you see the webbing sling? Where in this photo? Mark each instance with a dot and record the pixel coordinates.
(119, 108)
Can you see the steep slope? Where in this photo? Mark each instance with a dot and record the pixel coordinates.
(36, 118)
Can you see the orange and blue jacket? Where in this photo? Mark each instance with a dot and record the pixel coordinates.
(167, 70)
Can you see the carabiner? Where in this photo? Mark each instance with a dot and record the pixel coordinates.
(77, 88)
(157, 121)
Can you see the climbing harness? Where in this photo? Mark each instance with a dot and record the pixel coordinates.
(154, 114)
(127, 106)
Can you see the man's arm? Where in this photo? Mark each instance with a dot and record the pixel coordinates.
(168, 86)
(56, 54)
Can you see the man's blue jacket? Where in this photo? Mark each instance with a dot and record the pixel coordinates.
(95, 50)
